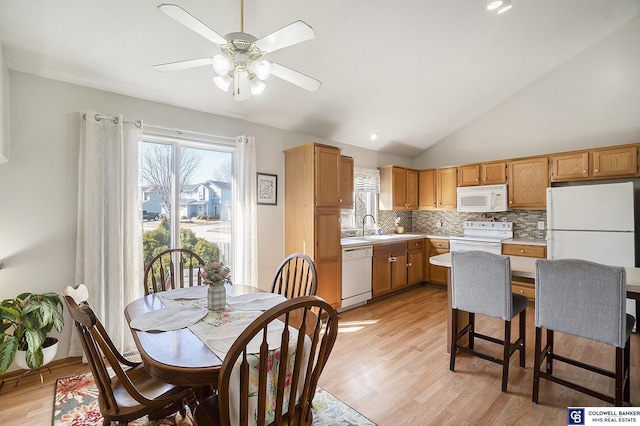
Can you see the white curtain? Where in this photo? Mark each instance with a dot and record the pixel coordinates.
(245, 243)
(109, 247)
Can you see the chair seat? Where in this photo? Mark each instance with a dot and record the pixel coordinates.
(146, 385)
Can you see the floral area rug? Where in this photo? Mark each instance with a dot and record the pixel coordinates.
(76, 404)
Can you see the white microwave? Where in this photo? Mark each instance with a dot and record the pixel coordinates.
(490, 198)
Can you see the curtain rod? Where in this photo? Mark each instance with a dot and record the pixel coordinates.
(115, 120)
(164, 130)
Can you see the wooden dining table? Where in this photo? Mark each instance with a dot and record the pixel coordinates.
(178, 357)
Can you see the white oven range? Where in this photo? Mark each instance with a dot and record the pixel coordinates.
(483, 236)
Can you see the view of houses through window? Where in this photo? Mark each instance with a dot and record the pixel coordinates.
(186, 198)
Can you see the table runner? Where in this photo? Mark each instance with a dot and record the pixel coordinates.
(213, 324)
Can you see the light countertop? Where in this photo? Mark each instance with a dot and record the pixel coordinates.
(388, 238)
(526, 241)
(526, 267)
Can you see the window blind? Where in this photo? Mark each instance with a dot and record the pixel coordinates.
(366, 180)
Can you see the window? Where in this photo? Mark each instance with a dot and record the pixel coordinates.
(366, 189)
(189, 184)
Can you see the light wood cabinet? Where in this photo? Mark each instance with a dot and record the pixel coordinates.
(528, 182)
(346, 182)
(312, 213)
(327, 177)
(389, 268)
(415, 262)
(398, 188)
(602, 163)
(492, 173)
(427, 194)
(437, 189)
(397, 265)
(615, 162)
(570, 166)
(446, 188)
(521, 285)
(469, 175)
(437, 274)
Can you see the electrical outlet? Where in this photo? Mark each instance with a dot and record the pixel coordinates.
(439, 224)
(541, 224)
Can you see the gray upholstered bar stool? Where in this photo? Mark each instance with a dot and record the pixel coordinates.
(588, 300)
(481, 284)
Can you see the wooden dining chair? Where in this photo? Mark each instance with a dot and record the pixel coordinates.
(255, 383)
(164, 273)
(587, 300)
(481, 284)
(131, 393)
(295, 277)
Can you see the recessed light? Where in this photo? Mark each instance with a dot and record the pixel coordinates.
(373, 136)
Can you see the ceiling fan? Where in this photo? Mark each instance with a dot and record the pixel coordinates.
(241, 63)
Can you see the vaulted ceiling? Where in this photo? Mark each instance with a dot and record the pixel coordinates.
(413, 71)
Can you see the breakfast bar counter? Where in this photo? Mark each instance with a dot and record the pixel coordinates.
(525, 267)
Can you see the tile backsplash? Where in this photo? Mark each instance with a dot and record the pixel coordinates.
(525, 222)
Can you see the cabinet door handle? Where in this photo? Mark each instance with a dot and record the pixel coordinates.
(408, 264)
(393, 259)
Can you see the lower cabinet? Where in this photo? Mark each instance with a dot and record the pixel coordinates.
(437, 274)
(396, 266)
(524, 286)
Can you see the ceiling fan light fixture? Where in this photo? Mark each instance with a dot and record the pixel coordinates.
(506, 5)
(221, 65)
(257, 86)
(494, 4)
(223, 82)
(262, 69)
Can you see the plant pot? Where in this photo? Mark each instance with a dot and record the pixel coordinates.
(49, 350)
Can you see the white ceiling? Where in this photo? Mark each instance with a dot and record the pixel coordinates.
(414, 71)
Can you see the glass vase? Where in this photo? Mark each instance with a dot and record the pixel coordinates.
(216, 297)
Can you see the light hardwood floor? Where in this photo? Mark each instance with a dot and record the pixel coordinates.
(389, 363)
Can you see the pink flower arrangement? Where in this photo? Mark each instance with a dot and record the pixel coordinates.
(216, 273)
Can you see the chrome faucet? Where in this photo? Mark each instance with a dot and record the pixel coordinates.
(365, 218)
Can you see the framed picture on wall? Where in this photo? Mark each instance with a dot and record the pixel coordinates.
(267, 189)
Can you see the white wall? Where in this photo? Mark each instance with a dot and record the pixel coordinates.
(590, 101)
(38, 185)
(4, 107)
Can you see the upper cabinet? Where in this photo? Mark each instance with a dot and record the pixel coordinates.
(398, 188)
(595, 164)
(346, 182)
(437, 189)
(327, 165)
(492, 173)
(447, 189)
(528, 182)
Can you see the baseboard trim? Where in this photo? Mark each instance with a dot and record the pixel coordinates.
(62, 362)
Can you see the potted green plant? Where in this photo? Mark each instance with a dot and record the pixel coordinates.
(25, 323)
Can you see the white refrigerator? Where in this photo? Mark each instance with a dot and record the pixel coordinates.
(592, 222)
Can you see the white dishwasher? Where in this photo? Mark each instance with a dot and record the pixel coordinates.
(356, 276)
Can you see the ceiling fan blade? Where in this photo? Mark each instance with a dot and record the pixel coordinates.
(295, 77)
(181, 65)
(294, 33)
(191, 22)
